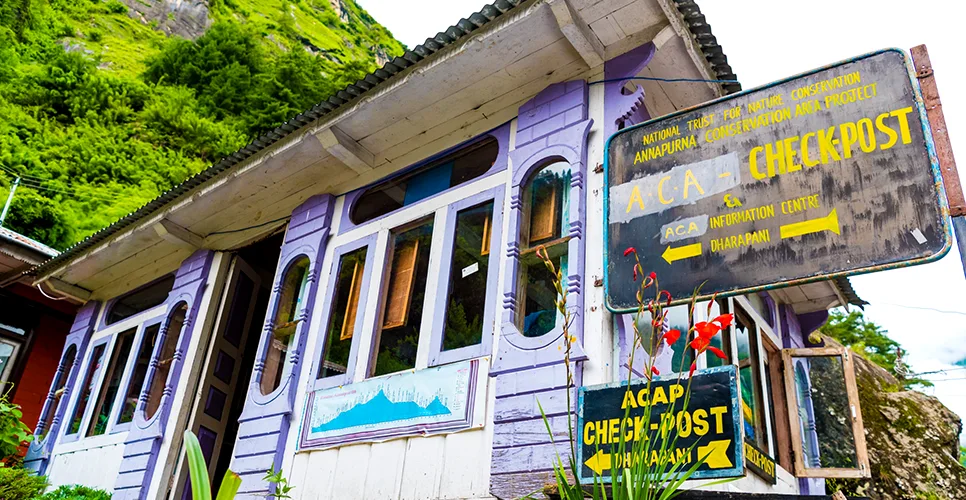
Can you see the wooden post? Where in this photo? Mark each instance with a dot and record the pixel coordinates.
(944, 149)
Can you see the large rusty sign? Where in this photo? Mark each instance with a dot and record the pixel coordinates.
(829, 173)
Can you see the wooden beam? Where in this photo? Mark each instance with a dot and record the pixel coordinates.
(346, 149)
(578, 33)
(67, 290)
(175, 233)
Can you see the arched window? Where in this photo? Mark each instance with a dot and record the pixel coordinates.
(63, 373)
(165, 358)
(291, 300)
(546, 199)
(466, 164)
(139, 300)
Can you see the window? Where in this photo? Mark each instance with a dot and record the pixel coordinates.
(547, 197)
(111, 383)
(8, 357)
(466, 298)
(721, 341)
(291, 298)
(828, 439)
(142, 299)
(86, 388)
(750, 380)
(395, 346)
(130, 402)
(343, 318)
(165, 358)
(63, 373)
(681, 354)
(452, 170)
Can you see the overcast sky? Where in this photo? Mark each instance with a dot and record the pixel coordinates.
(921, 307)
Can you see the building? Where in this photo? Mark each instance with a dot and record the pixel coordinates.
(393, 229)
(33, 326)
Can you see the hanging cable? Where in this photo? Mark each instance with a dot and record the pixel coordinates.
(229, 231)
(656, 79)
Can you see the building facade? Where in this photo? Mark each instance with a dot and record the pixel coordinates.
(356, 297)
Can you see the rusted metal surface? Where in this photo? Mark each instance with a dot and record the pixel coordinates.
(940, 135)
(823, 175)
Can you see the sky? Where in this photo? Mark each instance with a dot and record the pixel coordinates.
(921, 307)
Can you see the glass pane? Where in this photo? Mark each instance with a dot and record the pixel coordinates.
(681, 355)
(824, 413)
(540, 313)
(165, 358)
(403, 311)
(547, 204)
(291, 298)
(140, 300)
(6, 353)
(750, 380)
(148, 339)
(111, 382)
(345, 304)
(63, 373)
(467, 281)
(721, 341)
(86, 389)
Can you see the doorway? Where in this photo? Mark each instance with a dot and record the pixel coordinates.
(222, 386)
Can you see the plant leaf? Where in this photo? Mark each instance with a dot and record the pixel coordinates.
(229, 486)
(198, 470)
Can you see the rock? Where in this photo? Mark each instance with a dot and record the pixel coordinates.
(186, 18)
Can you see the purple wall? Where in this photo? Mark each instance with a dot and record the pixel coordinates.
(143, 442)
(553, 125)
(266, 419)
(38, 454)
(622, 108)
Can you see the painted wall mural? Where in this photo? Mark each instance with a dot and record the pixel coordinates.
(437, 399)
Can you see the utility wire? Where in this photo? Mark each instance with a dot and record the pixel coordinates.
(933, 309)
(229, 231)
(72, 192)
(656, 79)
(935, 372)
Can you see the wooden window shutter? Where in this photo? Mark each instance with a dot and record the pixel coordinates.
(485, 246)
(401, 284)
(352, 306)
(543, 213)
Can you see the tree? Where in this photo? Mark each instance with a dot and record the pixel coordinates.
(872, 342)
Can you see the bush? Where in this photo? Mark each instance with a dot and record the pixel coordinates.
(20, 484)
(13, 432)
(76, 492)
(115, 7)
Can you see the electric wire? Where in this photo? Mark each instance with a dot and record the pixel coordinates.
(657, 79)
(229, 231)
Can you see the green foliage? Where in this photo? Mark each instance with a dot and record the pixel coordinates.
(198, 472)
(13, 432)
(962, 455)
(282, 487)
(100, 113)
(871, 341)
(76, 492)
(17, 483)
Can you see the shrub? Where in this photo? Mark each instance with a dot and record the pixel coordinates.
(76, 492)
(13, 432)
(116, 7)
(20, 484)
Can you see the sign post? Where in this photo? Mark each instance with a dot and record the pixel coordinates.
(707, 427)
(826, 174)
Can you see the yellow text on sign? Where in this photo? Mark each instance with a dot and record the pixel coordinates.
(699, 422)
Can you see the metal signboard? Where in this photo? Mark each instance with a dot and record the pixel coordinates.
(826, 174)
(708, 427)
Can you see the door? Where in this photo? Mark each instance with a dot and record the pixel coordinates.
(219, 382)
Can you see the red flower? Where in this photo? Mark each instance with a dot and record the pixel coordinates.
(635, 273)
(672, 336)
(717, 352)
(724, 320)
(700, 344)
(663, 293)
(706, 330)
(655, 371)
(629, 251)
(693, 366)
(653, 275)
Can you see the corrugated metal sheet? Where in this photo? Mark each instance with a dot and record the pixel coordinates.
(845, 286)
(451, 35)
(25, 242)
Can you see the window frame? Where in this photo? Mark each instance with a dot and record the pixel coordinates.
(105, 335)
(858, 428)
(139, 340)
(105, 311)
(301, 316)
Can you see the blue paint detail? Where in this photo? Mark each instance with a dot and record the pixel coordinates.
(428, 183)
(930, 148)
(379, 410)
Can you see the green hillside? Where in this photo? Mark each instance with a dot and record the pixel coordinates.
(106, 104)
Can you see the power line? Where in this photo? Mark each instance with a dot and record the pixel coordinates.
(922, 308)
(936, 371)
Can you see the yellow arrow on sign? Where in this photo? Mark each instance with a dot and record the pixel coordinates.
(828, 223)
(715, 454)
(672, 254)
(599, 462)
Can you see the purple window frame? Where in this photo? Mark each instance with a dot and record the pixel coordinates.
(70, 438)
(102, 321)
(167, 389)
(437, 356)
(129, 373)
(368, 242)
(502, 136)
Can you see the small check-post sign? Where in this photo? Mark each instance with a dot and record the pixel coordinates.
(707, 427)
(829, 173)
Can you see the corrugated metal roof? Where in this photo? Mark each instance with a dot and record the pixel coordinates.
(692, 15)
(845, 286)
(25, 242)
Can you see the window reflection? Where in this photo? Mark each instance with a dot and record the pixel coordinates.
(345, 307)
(111, 383)
(87, 387)
(467, 283)
(746, 336)
(130, 402)
(290, 301)
(677, 319)
(165, 358)
(395, 346)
